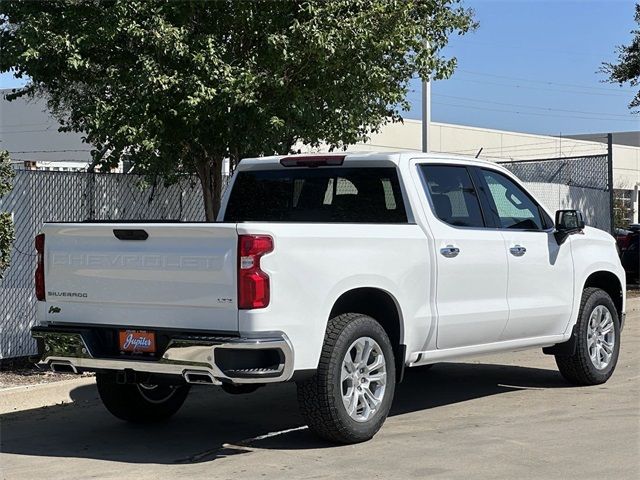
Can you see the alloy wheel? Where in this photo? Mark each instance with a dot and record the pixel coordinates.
(601, 337)
(363, 379)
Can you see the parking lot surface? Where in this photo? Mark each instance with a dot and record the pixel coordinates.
(501, 416)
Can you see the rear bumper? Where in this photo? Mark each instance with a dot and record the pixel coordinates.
(198, 359)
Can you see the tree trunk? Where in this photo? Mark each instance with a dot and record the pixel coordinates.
(210, 175)
(217, 186)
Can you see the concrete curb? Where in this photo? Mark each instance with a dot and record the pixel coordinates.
(28, 397)
(16, 399)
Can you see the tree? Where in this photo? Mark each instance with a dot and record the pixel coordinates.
(622, 208)
(6, 223)
(178, 87)
(628, 67)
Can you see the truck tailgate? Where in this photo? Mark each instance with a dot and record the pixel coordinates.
(154, 274)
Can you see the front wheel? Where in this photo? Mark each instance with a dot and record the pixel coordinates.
(597, 336)
(349, 397)
(140, 402)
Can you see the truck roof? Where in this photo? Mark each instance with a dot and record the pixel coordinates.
(352, 157)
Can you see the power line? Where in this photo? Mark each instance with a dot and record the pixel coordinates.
(544, 152)
(50, 160)
(526, 151)
(556, 145)
(552, 140)
(546, 82)
(520, 48)
(546, 142)
(27, 131)
(523, 148)
(532, 106)
(530, 87)
(51, 151)
(539, 151)
(24, 124)
(532, 113)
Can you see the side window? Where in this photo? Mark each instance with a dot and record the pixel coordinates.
(513, 206)
(453, 196)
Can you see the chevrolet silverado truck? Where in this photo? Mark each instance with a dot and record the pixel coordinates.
(334, 271)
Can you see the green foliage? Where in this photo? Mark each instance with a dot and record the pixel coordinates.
(178, 86)
(6, 223)
(622, 212)
(628, 67)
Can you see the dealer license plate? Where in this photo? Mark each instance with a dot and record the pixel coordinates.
(137, 341)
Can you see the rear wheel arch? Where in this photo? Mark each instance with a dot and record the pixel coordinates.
(384, 308)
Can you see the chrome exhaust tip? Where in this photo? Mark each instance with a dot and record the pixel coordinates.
(63, 367)
(200, 378)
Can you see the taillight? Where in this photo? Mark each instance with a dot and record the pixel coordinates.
(40, 267)
(253, 283)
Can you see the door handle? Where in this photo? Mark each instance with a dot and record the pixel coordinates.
(450, 251)
(518, 250)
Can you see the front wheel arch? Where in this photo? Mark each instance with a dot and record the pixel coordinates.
(610, 283)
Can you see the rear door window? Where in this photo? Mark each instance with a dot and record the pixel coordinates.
(343, 195)
(453, 197)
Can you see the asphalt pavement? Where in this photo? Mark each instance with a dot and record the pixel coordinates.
(501, 416)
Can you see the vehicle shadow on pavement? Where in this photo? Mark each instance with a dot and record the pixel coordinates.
(213, 424)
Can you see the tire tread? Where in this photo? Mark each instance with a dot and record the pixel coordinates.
(315, 393)
(577, 368)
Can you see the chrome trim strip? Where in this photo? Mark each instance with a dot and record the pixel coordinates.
(181, 356)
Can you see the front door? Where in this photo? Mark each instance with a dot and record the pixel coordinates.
(471, 263)
(540, 288)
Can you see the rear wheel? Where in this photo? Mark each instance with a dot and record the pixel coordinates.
(140, 402)
(597, 341)
(349, 397)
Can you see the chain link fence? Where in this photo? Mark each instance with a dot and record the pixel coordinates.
(581, 183)
(44, 196)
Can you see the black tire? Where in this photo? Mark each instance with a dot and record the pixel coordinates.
(320, 397)
(139, 403)
(579, 368)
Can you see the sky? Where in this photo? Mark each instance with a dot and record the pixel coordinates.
(531, 66)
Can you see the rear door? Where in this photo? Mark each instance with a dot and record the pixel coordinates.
(540, 289)
(180, 276)
(471, 292)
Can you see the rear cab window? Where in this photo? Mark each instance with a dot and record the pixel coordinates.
(322, 195)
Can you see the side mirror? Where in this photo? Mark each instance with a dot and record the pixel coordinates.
(567, 223)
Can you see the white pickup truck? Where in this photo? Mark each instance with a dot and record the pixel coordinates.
(333, 271)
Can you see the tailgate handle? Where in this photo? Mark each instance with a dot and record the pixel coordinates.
(130, 234)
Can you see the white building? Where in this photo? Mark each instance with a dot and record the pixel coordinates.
(501, 145)
(31, 136)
